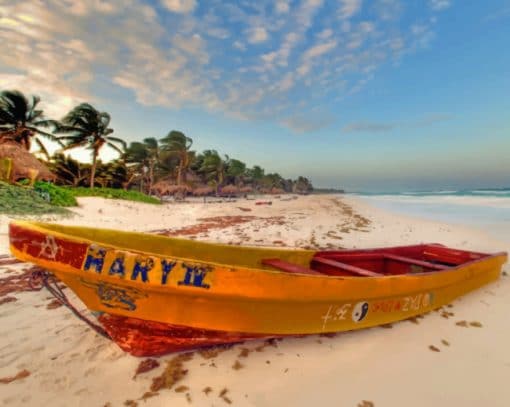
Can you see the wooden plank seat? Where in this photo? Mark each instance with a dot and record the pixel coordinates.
(289, 267)
(346, 267)
(415, 262)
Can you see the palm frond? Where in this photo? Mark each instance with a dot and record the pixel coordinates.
(111, 145)
(42, 148)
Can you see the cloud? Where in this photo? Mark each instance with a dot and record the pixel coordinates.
(439, 5)
(186, 55)
(307, 123)
(301, 19)
(257, 34)
(432, 119)
(282, 6)
(319, 49)
(388, 10)
(348, 8)
(378, 127)
(193, 46)
(367, 127)
(179, 6)
(503, 13)
(325, 34)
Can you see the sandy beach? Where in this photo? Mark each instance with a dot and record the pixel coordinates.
(427, 361)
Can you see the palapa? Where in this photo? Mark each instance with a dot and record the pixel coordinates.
(23, 163)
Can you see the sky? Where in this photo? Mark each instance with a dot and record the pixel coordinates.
(378, 95)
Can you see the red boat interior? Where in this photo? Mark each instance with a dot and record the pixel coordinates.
(380, 262)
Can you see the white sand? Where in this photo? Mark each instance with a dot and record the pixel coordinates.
(70, 365)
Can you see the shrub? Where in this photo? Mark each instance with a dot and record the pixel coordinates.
(16, 200)
(56, 195)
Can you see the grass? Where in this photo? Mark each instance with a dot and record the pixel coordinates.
(47, 198)
(56, 195)
(112, 193)
(16, 200)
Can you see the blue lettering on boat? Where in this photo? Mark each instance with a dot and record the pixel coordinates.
(118, 266)
(142, 266)
(194, 276)
(95, 258)
(166, 267)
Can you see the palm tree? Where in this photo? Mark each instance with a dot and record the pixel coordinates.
(177, 144)
(113, 174)
(214, 167)
(68, 170)
(87, 127)
(236, 170)
(254, 176)
(145, 156)
(20, 120)
(303, 185)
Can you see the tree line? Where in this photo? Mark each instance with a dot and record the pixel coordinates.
(141, 164)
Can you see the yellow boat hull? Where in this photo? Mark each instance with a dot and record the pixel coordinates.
(228, 288)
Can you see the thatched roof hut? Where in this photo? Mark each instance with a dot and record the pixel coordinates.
(23, 163)
(229, 190)
(246, 189)
(277, 191)
(203, 191)
(164, 187)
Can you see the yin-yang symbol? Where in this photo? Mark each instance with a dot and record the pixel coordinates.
(360, 311)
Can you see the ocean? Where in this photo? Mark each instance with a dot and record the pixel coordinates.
(485, 209)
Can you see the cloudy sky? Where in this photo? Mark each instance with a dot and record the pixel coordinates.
(366, 95)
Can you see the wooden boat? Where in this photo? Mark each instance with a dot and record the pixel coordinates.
(156, 294)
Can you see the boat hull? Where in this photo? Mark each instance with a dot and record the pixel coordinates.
(126, 275)
(148, 338)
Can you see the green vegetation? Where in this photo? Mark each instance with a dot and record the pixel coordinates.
(21, 120)
(114, 194)
(17, 200)
(56, 195)
(162, 165)
(85, 126)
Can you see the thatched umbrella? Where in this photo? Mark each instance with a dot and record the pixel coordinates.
(23, 163)
(174, 189)
(229, 190)
(161, 187)
(246, 189)
(203, 191)
(166, 188)
(277, 191)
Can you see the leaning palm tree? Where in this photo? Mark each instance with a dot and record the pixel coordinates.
(85, 126)
(214, 167)
(177, 144)
(144, 156)
(68, 170)
(20, 120)
(236, 171)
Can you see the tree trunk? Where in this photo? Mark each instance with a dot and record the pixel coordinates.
(151, 177)
(179, 173)
(93, 169)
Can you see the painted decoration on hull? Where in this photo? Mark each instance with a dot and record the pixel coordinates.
(362, 310)
(113, 296)
(48, 247)
(146, 269)
(104, 261)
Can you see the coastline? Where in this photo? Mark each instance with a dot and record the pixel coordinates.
(71, 365)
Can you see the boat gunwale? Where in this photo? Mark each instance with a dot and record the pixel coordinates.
(39, 226)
